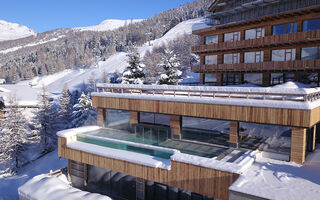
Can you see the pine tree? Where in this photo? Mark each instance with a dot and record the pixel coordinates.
(134, 73)
(64, 109)
(170, 63)
(47, 119)
(84, 113)
(13, 136)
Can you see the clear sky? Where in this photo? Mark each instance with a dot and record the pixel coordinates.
(44, 15)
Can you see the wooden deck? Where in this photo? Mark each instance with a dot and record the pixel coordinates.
(206, 181)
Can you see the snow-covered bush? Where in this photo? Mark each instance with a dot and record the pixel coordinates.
(170, 63)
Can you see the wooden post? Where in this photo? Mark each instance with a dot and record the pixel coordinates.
(266, 76)
(100, 117)
(298, 145)
(234, 134)
(219, 79)
(241, 78)
(175, 125)
(202, 78)
(69, 171)
(134, 119)
(314, 138)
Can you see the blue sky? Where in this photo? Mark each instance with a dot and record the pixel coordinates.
(44, 15)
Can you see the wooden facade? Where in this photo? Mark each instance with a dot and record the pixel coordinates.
(176, 125)
(134, 118)
(263, 115)
(266, 43)
(234, 133)
(201, 180)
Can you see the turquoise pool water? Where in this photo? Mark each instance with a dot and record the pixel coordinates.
(151, 137)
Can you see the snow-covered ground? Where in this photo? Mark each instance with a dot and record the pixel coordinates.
(273, 179)
(9, 185)
(44, 187)
(108, 25)
(12, 31)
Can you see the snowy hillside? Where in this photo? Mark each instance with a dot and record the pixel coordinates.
(12, 31)
(74, 79)
(108, 25)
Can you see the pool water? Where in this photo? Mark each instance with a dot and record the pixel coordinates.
(151, 137)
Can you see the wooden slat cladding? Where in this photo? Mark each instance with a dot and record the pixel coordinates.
(175, 124)
(234, 132)
(210, 182)
(285, 40)
(100, 119)
(298, 145)
(296, 65)
(134, 118)
(279, 116)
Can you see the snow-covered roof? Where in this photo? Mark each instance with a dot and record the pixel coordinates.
(44, 187)
(274, 179)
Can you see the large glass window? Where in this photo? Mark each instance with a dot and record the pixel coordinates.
(205, 130)
(153, 118)
(283, 55)
(230, 79)
(231, 58)
(253, 57)
(310, 53)
(269, 138)
(255, 79)
(211, 60)
(312, 24)
(254, 33)
(212, 39)
(231, 37)
(284, 28)
(117, 119)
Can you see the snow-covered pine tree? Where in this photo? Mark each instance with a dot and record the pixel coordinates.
(134, 73)
(83, 112)
(13, 136)
(64, 109)
(170, 63)
(46, 117)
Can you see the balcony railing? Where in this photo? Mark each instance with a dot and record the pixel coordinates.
(302, 95)
(268, 41)
(300, 65)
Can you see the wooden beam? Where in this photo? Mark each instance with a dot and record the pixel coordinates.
(298, 145)
(234, 133)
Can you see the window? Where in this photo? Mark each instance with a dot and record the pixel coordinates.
(231, 58)
(255, 79)
(253, 57)
(283, 55)
(212, 39)
(254, 33)
(231, 37)
(312, 24)
(211, 60)
(210, 78)
(117, 119)
(284, 28)
(310, 53)
(152, 118)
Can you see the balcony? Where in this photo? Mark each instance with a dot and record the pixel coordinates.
(296, 65)
(264, 42)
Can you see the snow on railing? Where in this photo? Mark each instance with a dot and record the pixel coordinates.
(282, 94)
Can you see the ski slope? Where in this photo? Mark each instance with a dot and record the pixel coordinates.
(108, 25)
(74, 79)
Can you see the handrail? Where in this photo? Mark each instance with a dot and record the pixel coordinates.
(298, 95)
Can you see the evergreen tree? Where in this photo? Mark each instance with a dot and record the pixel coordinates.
(47, 119)
(13, 136)
(170, 63)
(84, 113)
(134, 73)
(64, 109)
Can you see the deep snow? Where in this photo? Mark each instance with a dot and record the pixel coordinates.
(108, 25)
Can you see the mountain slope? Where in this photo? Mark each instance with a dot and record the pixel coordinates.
(12, 31)
(108, 25)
